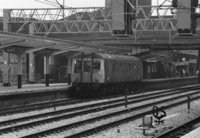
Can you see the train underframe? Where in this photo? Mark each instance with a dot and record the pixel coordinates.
(87, 90)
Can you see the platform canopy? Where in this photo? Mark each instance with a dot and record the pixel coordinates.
(14, 42)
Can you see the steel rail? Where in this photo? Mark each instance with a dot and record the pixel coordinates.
(45, 105)
(102, 127)
(135, 100)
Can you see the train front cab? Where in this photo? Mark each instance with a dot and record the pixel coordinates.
(87, 72)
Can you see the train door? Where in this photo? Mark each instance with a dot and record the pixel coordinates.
(106, 71)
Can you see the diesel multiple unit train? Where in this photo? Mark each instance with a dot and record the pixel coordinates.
(101, 73)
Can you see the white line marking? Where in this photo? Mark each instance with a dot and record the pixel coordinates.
(171, 116)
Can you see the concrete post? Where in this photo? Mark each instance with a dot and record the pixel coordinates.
(198, 66)
(47, 70)
(6, 81)
(69, 69)
(31, 67)
(19, 58)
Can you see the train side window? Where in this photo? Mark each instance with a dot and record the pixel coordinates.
(126, 67)
(149, 69)
(118, 70)
(129, 67)
(106, 66)
(113, 66)
(122, 68)
(136, 69)
(132, 67)
(153, 67)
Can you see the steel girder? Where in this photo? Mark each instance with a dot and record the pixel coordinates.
(149, 20)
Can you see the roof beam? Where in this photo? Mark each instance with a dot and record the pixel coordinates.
(58, 41)
(41, 48)
(4, 45)
(64, 51)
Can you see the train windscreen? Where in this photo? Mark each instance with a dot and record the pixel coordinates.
(77, 66)
(96, 66)
(87, 63)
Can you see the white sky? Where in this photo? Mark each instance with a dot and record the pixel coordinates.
(23, 4)
(20, 4)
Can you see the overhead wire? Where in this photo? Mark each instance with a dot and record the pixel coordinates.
(51, 2)
(61, 6)
(47, 3)
(57, 3)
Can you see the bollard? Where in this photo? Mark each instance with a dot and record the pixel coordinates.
(47, 80)
(188, 104)
(19, 81)
(126, 101)
(143, 124)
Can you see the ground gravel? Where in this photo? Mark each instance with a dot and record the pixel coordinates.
(175, 116)
(179, 115)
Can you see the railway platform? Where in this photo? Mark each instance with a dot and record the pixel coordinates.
(193, 134)
(32, 88)
(32, 93)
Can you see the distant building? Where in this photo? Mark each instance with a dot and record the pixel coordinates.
(108, 3)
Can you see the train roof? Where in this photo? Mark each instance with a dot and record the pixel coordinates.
(108, 56)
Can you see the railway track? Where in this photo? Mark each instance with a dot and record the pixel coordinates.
(97, 106)
(102, 127)
(181, 130)
(78, 113)
(52, 104)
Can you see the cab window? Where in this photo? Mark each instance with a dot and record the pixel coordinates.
(87, 66)
(96, 66)
(77, 66)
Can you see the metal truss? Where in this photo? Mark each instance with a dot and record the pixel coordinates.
(154, 18)
(97, 19)
(71, 26)
(67, 20)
